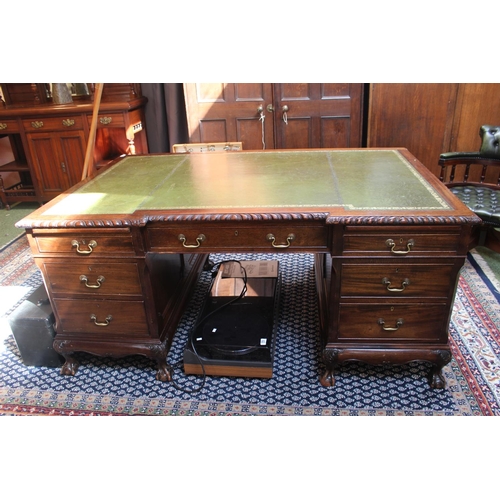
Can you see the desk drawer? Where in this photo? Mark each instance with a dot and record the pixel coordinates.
(9, 127)
(87, 244)
(53, 124)
(417, 322)
(394, 242)
(103, 317)
(397, 280)
(236, 238)
(95, 278)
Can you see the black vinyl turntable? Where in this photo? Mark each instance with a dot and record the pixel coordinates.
(236, 331)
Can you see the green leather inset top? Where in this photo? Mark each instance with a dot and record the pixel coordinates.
(352, 179)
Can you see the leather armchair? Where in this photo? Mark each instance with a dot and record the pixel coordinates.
(490, 136)
(474, 177)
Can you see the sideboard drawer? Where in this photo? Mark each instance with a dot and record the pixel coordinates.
(52, 124)
(94, 278)
(82, 243)
(393, 322)
(397, 280)
(108, 120)
(443, 241)
(103, 317)
(9, 127)
(182, 239)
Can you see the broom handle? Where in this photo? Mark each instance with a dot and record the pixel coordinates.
(90, 144)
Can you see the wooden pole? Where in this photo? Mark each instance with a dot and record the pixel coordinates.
(93, 127)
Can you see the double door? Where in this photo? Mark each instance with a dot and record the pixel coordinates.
(276, 115)
(58, 159)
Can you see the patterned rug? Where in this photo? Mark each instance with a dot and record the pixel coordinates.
(127, 386)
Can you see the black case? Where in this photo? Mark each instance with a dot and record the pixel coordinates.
(32, 325)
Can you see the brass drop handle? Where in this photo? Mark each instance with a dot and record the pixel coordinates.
(92, 244)
(270, 237)
(391, 244)
(106, 322)
(399, 322)
(199, 240)
(99, 281)
(405, 283)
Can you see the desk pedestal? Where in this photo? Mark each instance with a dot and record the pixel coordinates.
(386, 297)
(109, 297)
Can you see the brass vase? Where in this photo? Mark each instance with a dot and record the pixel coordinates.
(61, 93)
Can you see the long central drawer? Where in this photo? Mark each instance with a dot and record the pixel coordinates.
(213, 238)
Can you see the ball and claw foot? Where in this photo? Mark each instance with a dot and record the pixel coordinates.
(70, 367)
(327, 379)
(436, 379)
(164, 372)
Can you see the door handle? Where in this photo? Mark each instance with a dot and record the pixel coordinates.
(284, 116)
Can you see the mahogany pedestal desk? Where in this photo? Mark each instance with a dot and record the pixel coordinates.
(120, 252)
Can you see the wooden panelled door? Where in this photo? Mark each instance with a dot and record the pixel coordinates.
(276, 116)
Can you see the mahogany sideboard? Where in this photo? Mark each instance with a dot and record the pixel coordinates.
(120, 252)
(49, 140)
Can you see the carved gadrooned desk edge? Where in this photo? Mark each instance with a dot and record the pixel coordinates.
(372, 220)
(122, 221)
(81, 223)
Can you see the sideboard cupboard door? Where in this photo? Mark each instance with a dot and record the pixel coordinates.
(57, 160)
